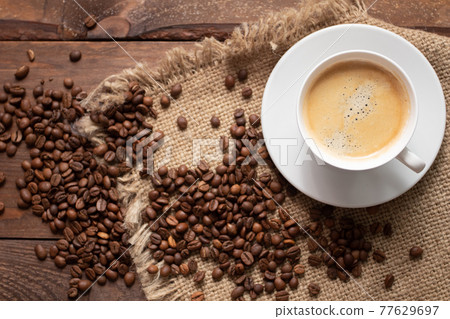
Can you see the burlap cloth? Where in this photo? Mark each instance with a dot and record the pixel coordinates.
(420, 217)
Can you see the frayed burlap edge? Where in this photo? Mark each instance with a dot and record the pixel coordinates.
(277, 31)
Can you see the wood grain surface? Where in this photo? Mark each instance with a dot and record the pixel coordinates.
(180, 19)
(22, 276)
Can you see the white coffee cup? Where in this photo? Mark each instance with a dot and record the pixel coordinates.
(398, 149)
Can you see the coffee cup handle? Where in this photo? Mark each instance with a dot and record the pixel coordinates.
(411, 160)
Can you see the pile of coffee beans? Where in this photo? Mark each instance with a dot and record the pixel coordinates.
(65, 183)
(224, 214)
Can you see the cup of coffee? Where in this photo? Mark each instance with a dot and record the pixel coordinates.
(357, 110)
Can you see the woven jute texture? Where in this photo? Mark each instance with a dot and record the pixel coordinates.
(419, 217)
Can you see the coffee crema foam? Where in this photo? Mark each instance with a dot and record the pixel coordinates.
(355, 109)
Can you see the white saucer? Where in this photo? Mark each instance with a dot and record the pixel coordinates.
(326, 183)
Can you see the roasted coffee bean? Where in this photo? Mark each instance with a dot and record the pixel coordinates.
(379, 256)
(269, 287)
(313, 289)
(279, 284)
(84, 285)
(215, 121)
(2, 207)
(282, 295)
(247, 92)
(332, 273)
(314, 260)
(415, 252)
(152, 269)
(247, 258)
(68, 83)
(75, 56)
(31, 55)
(165, 101)
(182, 122)
(72, 293)
(175, 90)
(11, 150)
(89, 22)
(192, 264)
(229, 81)
(22, 72)
(41, 252)
(254, 120)
(217, 273)
(299, 270)
(129, 278)
(60, 262)
(293, 283)
(198, 296)
(388, 281)
(242, 74)
(237, 292)
(199, 276)
(387, 229)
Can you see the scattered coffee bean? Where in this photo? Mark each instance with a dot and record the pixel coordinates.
(152, 269)
(199, 276)
(31, 55)
(242, 74)
(22, 72)
(279, 284)
(41, 252)
(379, 256)
(215, 121)
(165, 271)
(2, 207)
(237, 292)
(68, 83)
(387, 229)
(165, 101)
(11, 150)
(282, 295)
(313, 289)
(89, 22)
(415, 252)
(373, 210)
(175, 90)
(255, 120)
(229, 81)
(198, 296)
(72, 293)
(217, 273)
(388, 281)
(182, 122)
(314, 260)
(84, 285)
(129, 279)
(247, 92)
(75, 56)
(299, 270)
(293, 283)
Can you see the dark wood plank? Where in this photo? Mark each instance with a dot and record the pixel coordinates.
(99, 60)
(24, 277)
(180, 19)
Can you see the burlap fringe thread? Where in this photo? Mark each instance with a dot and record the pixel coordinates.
(278, 30)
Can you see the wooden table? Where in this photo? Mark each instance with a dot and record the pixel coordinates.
(50, 28)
